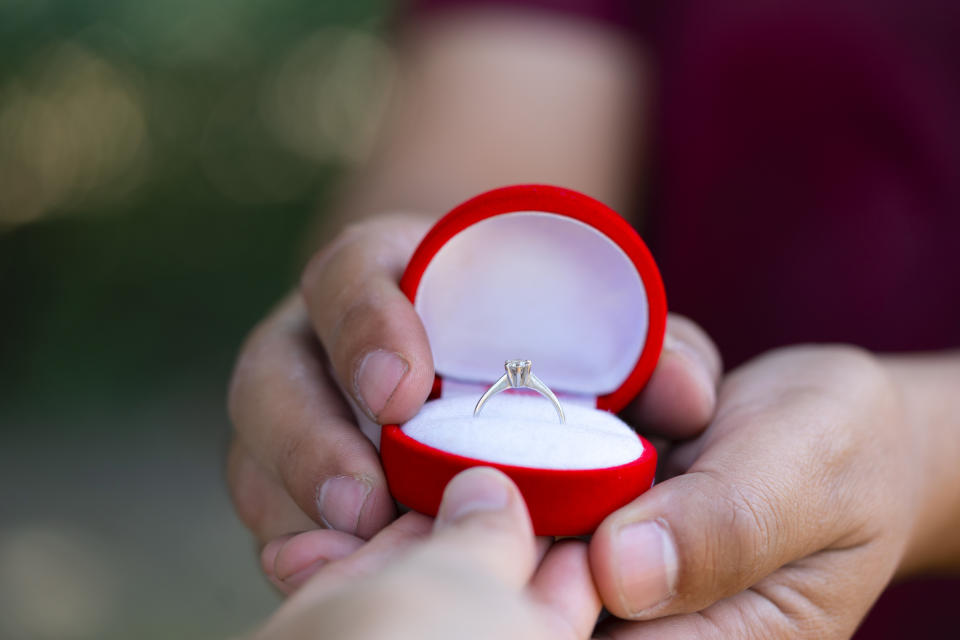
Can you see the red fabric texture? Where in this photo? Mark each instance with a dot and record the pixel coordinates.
(806, 185)
(565, 202)
(561, 502)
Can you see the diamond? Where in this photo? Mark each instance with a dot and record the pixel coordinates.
(518, 372)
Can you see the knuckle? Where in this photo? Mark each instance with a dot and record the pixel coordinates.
(292, 452)
(380, 243)
(685, 329)
(855, 368)
(358, 244)
(352, 333)
(784, 607)
(366, 314)
(753, 531)
(861, 369)
(313, 272)
(345, 243)
(342, 286)
(305, 457)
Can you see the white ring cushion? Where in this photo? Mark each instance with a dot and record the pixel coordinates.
(542, 287)
(523, 430)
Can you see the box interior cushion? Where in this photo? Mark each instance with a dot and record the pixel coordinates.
(537, 286)
(522, 429)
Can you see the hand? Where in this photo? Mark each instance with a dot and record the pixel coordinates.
(792, 511)
(298, 459)
(476, 575)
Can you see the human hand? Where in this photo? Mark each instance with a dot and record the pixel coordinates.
(476, 575)
(298, 459)
(786, 518)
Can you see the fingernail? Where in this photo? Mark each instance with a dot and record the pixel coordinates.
(473, 491)
(268, 556)
(648, 565)
(377, 377)
(340, 501)
(298, 578)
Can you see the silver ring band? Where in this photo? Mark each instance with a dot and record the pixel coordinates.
(519, 375)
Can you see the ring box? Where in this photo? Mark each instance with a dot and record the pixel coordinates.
(546, 274)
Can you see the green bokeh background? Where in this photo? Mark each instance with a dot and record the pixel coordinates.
(105, 305)
(120, 319)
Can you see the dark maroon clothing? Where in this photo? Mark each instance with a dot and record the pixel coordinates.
(808, 173)
(806, 185)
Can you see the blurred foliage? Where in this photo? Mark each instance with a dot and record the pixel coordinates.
(148, 277)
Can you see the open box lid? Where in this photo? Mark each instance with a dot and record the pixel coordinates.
(546, 274)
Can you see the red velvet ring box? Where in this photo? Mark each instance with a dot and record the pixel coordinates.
(550, 275)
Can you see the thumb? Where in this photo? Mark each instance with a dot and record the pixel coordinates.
(376, 343)
(701, 537)
(772, 480)
(483, 527)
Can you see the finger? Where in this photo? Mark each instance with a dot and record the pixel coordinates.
(543, 545)
(372, 557)
(758, 496)
(483, 527)
(268, 556)
(689, 542)
(291, 560)
(679, 399)
(261, 501)
(482, 544)
(376, 342)
(823, 596)
(291, 418)
(564, 586)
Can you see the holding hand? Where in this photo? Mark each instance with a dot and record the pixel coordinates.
(298, 460)
(802, 482)
(477, 574)
(791, 512)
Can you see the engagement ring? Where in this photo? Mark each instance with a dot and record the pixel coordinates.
(519, 375)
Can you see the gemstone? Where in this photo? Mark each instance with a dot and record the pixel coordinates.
(518, 372)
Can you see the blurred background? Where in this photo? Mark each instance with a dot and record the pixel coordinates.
(159, 166)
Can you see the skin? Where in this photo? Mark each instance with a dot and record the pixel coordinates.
(796, 486)
(444, 578)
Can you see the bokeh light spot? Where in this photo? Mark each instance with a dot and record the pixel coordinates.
(55, 582)
(328, 97)
(72, 133)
